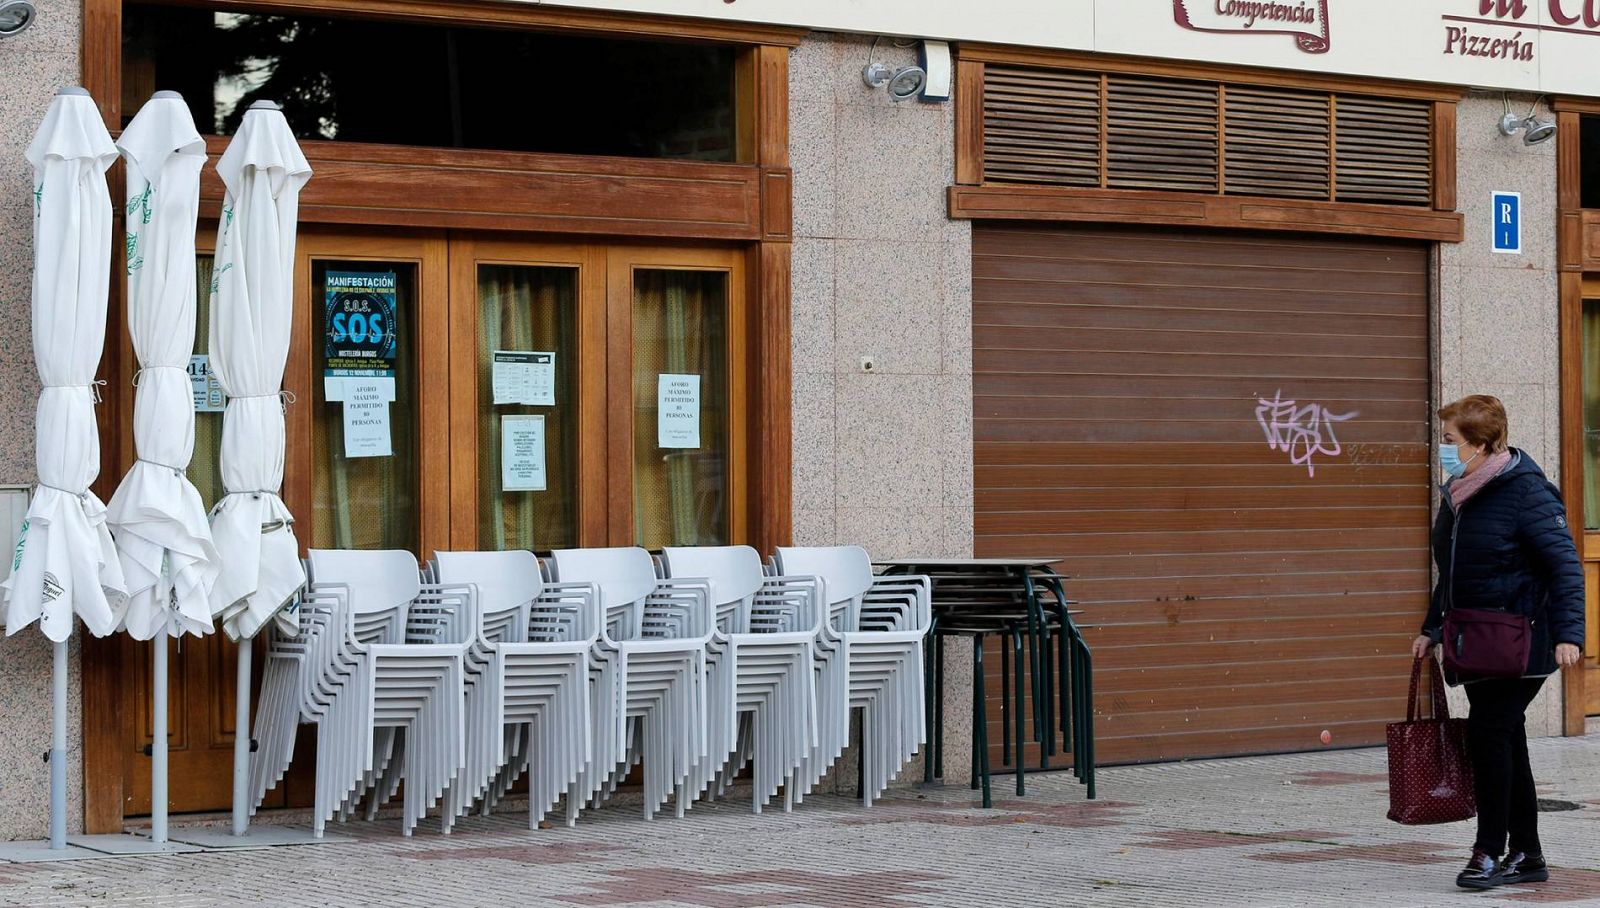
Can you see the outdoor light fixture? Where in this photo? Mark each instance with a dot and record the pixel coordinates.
(15, 17)
(902, 84)
(1533, 129)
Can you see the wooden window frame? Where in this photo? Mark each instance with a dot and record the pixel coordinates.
(746, 204)
(969, 198)
(1577, 254)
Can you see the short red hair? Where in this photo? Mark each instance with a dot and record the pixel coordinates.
(1481, 420)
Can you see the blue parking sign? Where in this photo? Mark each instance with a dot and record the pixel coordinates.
(1508, 222)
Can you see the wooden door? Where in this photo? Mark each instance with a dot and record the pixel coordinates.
(604, 323)
(1590, 539)
(1227, 437)
(323, 491)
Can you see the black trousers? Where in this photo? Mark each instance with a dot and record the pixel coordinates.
(1502, 780)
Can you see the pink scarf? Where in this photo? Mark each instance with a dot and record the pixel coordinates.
(1465, 487)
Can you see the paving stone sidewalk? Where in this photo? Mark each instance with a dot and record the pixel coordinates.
(1272, 831)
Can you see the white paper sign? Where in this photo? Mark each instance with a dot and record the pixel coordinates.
(524, 377)
(366, 417)
(522, 453)
(208, 397)
(678, 411)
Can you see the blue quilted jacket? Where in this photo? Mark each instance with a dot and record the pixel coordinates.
(1509, 548)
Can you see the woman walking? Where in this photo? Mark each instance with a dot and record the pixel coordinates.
(1501, 542)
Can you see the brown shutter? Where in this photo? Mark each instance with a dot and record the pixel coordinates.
(1041, 126)
(1161, 134)
(1055, 127)
(1237, 603)
(1276, 143)
(1384, 151)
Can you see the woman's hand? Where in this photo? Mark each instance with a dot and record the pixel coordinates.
(1423, 646)
(1567, 654)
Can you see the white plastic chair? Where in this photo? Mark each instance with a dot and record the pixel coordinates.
(379, 660)
(651, 656)
(760, 668)
(528, 682)
(869, 658)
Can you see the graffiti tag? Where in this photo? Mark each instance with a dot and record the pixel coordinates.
(1301, 431)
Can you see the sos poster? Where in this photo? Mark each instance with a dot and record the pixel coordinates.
(361, 323)
(360, 350)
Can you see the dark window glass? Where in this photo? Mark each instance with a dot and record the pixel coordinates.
(1590, 158)
(401, 83)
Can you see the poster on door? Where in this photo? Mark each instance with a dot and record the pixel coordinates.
(360, 349)
(522, 463)
(678, 411)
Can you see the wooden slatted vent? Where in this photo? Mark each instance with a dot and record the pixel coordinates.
(1113, 131)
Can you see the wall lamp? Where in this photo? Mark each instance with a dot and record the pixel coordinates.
(15, 17)
(1533, 129)
(902, 84)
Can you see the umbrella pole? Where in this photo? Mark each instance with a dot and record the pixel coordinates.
(58, 749)
(241, 739)
(158, 746)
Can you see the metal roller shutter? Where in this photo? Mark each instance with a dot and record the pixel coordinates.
(1227, 436)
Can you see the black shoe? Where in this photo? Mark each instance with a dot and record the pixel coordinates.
(1522, 868)
(1483, 872)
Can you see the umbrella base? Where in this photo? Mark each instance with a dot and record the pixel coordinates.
(223, 839)
(41, 852)
(122, 844)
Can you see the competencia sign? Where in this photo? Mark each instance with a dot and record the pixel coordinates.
(1526, 45)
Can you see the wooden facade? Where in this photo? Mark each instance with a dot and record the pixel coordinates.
(364, 200)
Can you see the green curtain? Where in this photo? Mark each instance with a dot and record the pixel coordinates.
(528, 308)
(680, 328)
(205, 468)
(1591, 413)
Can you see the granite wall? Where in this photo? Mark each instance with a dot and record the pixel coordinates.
(1498, 328)
(33, 65)
(882, 456)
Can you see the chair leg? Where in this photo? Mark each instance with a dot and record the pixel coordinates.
(930, 677)
(938, 709)
(1068, 693)
(1005, 707)
(980, 721)
(1016, 644)
(1047, 747)
(1086, 730)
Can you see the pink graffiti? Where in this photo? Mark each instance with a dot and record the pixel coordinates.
(1302, 432)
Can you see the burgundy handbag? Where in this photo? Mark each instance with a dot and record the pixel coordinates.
(1430, 771)
(1486, 643)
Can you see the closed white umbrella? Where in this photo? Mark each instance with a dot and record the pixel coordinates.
(252, 297)
(157, 517)
(65, 562)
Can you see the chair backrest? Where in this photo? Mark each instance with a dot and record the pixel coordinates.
(846, 570)
(378, 580)
(505, 580)
(734, 571)
(622, 576)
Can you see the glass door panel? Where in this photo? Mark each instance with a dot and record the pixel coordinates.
(685, 390)
(528, 425)
(365, 452)
(205, 467)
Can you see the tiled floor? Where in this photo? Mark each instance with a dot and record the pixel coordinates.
(1295, 830)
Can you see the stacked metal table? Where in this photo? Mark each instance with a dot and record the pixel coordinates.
(1046, 667)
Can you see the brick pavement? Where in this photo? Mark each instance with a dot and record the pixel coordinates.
(1272, 831)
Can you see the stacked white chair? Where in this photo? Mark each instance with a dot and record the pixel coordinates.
(651, 655)
(379, 662)
(760, 667)
(869, 656)
(528, 688)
